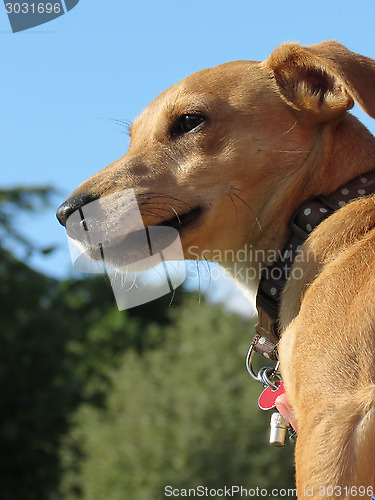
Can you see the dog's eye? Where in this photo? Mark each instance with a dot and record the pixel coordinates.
(188, 122)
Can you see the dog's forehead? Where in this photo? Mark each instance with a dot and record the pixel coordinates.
(219, 82)
(222, 77)
(199, 90)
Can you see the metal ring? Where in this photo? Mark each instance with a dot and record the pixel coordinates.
(264, 374)
(263, 377)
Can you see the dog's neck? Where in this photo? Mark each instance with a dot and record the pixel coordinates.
(350, 153)
(331, 165)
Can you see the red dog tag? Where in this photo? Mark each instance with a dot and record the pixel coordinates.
(268, 397)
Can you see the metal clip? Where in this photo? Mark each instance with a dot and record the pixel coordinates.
(265, 374)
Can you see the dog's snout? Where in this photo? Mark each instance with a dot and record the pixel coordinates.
(71, 205)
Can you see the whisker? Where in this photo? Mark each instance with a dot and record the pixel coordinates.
(172, 298)
(208, 270)
(199, 282)
(282, 151)
(152, 214)
(122, 123)
(158, 208)
(178, 218)
(248, 206)
(291, 128)
(235, 208)
(161, 275)
(152, 196)
(123, 280)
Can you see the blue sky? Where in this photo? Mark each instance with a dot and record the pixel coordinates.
(64, 82)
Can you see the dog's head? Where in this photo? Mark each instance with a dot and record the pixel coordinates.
(226, 153)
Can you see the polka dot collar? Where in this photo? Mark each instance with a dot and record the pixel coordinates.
(308, 216)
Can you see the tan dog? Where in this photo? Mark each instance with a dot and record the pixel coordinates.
(226, 156)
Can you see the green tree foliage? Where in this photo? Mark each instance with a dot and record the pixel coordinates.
(184, 415)
(58, 342)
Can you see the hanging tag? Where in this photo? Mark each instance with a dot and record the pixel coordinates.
(268, 397)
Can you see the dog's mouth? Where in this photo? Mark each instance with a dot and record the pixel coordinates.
(181, 221)
(138, 245)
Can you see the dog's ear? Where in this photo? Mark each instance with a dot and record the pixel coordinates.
(323, 80)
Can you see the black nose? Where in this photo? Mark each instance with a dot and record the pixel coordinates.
(71, 205)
